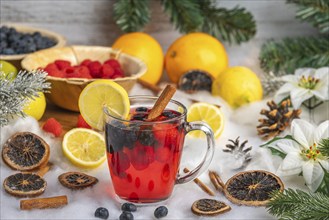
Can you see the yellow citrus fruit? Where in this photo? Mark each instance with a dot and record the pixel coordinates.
(195, 51)
(7, 69)
(146, 48)
(99, 94)
(84, 147)
(208, 113)
(238, 86)
(36, 107)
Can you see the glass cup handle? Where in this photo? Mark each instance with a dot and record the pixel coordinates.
(191, 175)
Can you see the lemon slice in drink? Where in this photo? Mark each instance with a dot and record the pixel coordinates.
(99, 94)
(84, 147)
(208, 113)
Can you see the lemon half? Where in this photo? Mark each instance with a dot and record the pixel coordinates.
(208, 113)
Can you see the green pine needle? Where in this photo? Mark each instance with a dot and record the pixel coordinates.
(131, 15)
(323, 147)
(284, 57)
(315, 12)
(235, 25)
(291, 205)
(184, 14)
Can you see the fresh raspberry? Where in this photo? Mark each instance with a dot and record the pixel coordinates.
(82, 123)
(85, 62)
(95, 69)
(83, 72)
(113, 63)
(118, 71)
(52, 70)
(141, 156)
(51, 67)
(71, 72)
(53, 126)
(107, 71)
(62, 64)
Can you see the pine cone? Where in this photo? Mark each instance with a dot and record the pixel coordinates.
(278, 119)
(239, 151)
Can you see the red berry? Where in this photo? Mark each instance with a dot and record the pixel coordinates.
(51, 66)
(71, 72)
(141, 156)
(52, 70)
(83, 72)
(82, 123)
(95, 69)
(52, 126)
(113, 63)
(62, 64)
(85, 62)
(118, 71)
(163, 154)
(107, 71)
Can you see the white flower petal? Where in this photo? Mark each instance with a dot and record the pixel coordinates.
(287, 146)
(321, 73)
(292, 161)
(283, 92)
(290, 78)
(299, 95)
(313, 174)
(302, 131)
(291, 172)
(322, 94)
(304, 72)
(321, 132)
(325, 164)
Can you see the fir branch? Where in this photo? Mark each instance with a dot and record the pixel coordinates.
(315, 12)
(284, 57)
(15, 93)
(323, 147)
(299, 205)
(271, 83)
(235, 25)
(131, 15)
(184, 14)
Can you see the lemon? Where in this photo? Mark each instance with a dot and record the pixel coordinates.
(146, 48)
(238, 86)
(195, 51)
(36, 107)
(7, 70)
(99, 94)
(84, 147)
(208, 113)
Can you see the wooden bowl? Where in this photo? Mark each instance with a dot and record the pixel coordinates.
(65, 91)
(17, 58)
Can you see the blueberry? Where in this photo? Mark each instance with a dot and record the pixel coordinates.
(115, 136)
(161, 212)
(102, 213)
(131, 138)
(126, 216)
(36, 35)
(128, 207)
(139, 117)
(146, 138)
(168, 114)
(141, 109)
(8, 51)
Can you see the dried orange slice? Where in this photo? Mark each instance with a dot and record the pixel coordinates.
(24, 184)
(252, 188)
(25, 151)
(209, 207)
(77, 180)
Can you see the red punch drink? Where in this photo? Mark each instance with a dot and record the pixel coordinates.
(144, 158)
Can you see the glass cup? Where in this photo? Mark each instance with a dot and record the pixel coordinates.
(144, 157)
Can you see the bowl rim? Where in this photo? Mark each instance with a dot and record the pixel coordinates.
(61, 40)
(81, 81)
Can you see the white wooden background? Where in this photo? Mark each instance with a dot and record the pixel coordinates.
(90, 22)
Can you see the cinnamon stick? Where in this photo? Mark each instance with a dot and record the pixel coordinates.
(162, 102)
(203, 186)
(43, 203)
(216, 181)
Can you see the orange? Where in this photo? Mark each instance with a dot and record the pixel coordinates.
(146, 48)
(195, 51)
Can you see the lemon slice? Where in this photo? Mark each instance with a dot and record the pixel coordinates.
(99, 94)
(84, 147)
(208, 113)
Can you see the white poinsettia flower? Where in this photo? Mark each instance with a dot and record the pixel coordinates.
(303, 85)
(304, 157)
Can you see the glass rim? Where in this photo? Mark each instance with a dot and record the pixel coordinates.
(182, 116)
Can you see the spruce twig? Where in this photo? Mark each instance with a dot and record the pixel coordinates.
(15, 93)
(184, 14)
(299, 205)
(292, 53)
(315, 12)
(323, 147)
(235, 25)
(131, 15)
